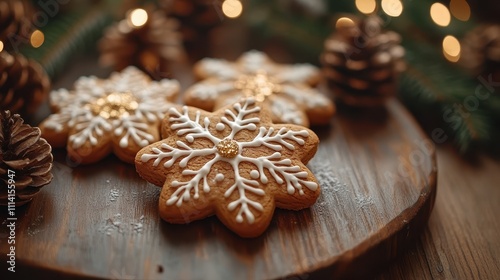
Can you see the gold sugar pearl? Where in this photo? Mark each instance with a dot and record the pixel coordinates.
(259, 85)
(228, 148)
(115, 105)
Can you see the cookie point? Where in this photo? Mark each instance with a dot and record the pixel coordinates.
(144, 143)
(239, 219)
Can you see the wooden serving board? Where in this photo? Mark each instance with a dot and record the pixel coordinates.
(378, 180)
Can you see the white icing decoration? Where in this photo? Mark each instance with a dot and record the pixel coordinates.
(210, 91)
(286, 111)
(254, 61)
(135, 129)
(152, 98)
(222, 76)
(219, 177)
(89, 88)
(62, 97)
(220, 127)
(298, 73)
(60, 121)
(238, 119)
(305, 95)
(56, 122)
(88, 129)
(254, 174)
(219, 68)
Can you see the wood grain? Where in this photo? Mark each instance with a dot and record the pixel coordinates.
(378, 179)
(461, 240)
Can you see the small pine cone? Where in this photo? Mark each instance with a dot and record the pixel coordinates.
(152, 47)
(25, 159)
(15, 21)
(24, 85)
(481, 51)
(361, 62)
(197, 17)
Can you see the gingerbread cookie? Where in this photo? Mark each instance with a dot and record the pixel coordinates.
(286, 89)
(121, 114)
(234, 163)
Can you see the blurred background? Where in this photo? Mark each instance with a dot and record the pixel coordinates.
(445, 66)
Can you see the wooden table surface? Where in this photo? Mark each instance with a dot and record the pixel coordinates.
(372, 215)
(462, 238)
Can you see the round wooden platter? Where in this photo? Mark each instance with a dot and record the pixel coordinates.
(377, 173)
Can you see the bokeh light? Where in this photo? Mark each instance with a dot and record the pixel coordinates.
(37, 38)
(440, 14)
(232, 8)
(393, 8)
(451, 48)
(1, 46)
(460, 9)
(366, 6)
(138, 18)
(344, 22)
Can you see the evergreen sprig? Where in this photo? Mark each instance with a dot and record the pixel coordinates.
(67, 35)
(430, 93)
(305, 36)
(432, 88)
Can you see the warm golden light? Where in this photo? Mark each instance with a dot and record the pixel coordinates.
(37, 38)
(366, 6)
(1, 46)
(393, 8)
(232, 8)
(114, 105)
(259, 86)
(440, 14)
(451, 48)
(344, 22)
(138, 17)
(460, 9)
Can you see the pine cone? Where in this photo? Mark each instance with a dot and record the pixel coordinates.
(24, 156)
(361, 62)
(15, 21)
(150, 47)
(197, 18)
(481, 51)
(24, 85)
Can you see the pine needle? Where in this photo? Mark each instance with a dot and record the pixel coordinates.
(433, 88)
(68, 35)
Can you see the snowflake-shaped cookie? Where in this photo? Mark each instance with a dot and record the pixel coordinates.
(233, 163)
(120, 114)
(285, 89)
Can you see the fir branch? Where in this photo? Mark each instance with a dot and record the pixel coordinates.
(441, 91)
(305, 36)
(430, 87)
(416, 14)
(68, 35)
